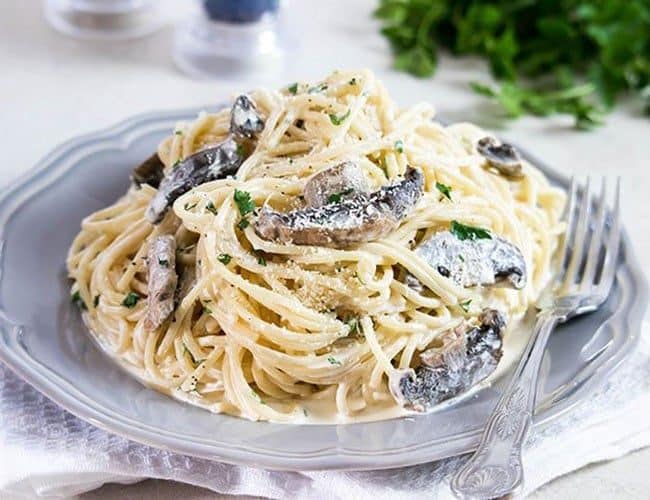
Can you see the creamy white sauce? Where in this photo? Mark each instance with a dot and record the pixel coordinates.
(323, 411)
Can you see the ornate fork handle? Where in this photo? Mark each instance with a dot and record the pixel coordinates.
(495, 469)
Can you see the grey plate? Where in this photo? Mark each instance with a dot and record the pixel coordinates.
(44, 341)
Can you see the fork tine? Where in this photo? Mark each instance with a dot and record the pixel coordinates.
(596, 242)
(577, 250)
(612, 248)
(570, 217)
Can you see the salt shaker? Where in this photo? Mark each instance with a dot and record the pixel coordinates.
(108, 19)
(230, 39)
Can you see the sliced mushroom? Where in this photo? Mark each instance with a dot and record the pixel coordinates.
(474, 262)
(210, 164)
(360, 218)
(245, 121)
(503, 157)
(335, 184)
(161, 281)
(151, 171)
(467, 356)
(207, 165)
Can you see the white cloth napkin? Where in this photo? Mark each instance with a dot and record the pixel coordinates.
(46, 451)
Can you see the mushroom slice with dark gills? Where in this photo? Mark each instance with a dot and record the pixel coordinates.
(335, 184)
(245, 121)
(210, 164)
(362, 217)
(207, 165)
(472, 262)
(467, 356)
(162, 280)
(151, 171)
(502, 157)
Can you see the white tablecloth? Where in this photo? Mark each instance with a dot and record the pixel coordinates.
(53, 88)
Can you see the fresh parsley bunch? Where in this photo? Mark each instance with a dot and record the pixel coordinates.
(550, 56)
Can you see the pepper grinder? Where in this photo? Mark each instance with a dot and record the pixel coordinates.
(107, 19)
(230, 39)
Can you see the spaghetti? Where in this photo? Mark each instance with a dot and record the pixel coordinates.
(284, 332)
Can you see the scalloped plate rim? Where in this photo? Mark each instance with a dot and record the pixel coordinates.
(331, 457)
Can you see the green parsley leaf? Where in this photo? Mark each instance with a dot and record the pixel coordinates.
(333, 361)
(130, 300)
(465, 305)
(244, 202)
(554, 57)
(293, 88)
(163, 262)
(257, 396)
(243, 224)
(463, 232)
(353, 325)
(337, 120)
(261, 260)
(178, 132)
(336, 197)
(211, 208)
(78, 301)
(189, 206)
(399, 146)
(444, 189)
(224, 258)
(189, 353)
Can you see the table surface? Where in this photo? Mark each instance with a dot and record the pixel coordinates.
(54, 88)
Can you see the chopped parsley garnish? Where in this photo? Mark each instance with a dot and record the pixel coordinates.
(130, 300)
(463, 232)
(189, 353)
(399, 146)
(78, 301)
(318, 88)
(224, 258)
(261, 260)
(179, 132)
(465, 305)
(353, 325)
(258, 397)
(337, 120)
(293, 88)
(206, 309)
(243, 224)
(444, 189)
(333, 361)
(244, 202)
(353, 81)
(176, 163)
(189, 206)
(240, 152)
(336, 197)
(163, 262)
(96, 301)
(211, 208)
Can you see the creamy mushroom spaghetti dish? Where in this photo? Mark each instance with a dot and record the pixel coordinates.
(318, 254)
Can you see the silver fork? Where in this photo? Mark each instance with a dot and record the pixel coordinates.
(582, 284)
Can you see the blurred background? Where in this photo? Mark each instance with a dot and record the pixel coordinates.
(74, 66)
